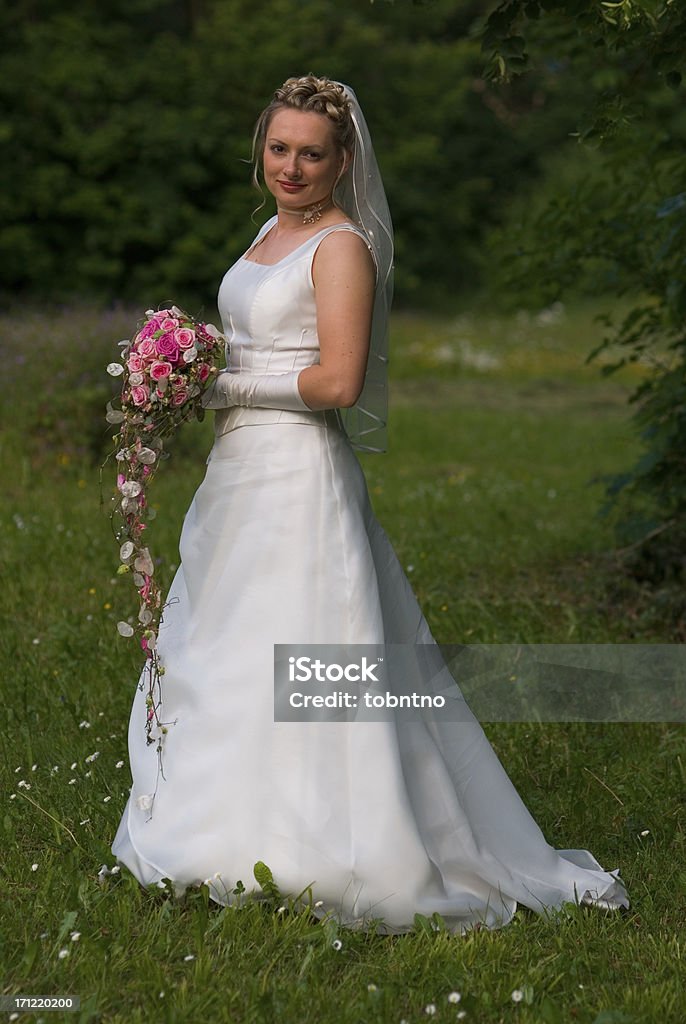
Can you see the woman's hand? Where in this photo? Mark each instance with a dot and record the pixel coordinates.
(344, 281)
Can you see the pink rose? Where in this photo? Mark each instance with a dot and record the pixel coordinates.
(146, 349)
(169, 323)
(147, 331)
(167, 347)
(140, 394)
(179, 396)
(203, 372)
(160, 369)
(134, 363)
(184, 337)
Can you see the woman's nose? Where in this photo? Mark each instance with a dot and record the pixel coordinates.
(292, 168)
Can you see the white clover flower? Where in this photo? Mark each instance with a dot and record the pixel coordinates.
(62, 953)
(34, 867)
(106, 799)
(23, 784)
(75, 936)
(17, 769)
(190, 956)
(84, 724)
(87, 775)
(33, 767)
(92, 757)
(461, 1014)
(119, 764)
(72, 766)
(645, 832)
(430, 1009)
(13, 796)
(337, 945)
(454, 997)
(36, 640)
(71, 782)
(517, 995)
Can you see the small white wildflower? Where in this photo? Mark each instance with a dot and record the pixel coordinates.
(13, 796)
(645, 832)
(461, 1014)
(62, 953)
(281, 910)
(115, 870)
(75, 936)
(100, 714)
(13, 1016)
(190, 956)
(71, 782)
(36, 640)
(337, 945)
(161, 995)
(85, 821)
(517, 995)
(454, 997)
(371, 987)
(87, 775)
(92, 757)
(43, 935)
(84, 724)
(106, 799)
(319, 903)
(34, 867)
(430, 1009)
(17, 769)
(23, 784)
(33, 767)
(55, 768)
(73, 766)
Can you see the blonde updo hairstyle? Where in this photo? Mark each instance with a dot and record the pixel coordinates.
(309, 93)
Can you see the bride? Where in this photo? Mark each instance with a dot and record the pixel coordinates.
(385, 819)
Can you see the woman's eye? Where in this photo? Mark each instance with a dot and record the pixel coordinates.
(314, 156)
(276, 148)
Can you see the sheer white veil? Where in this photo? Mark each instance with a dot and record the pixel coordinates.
(360, 194)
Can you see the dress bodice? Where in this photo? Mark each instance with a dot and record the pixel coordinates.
(269, 319)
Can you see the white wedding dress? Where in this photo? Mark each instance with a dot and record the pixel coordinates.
(280, 546)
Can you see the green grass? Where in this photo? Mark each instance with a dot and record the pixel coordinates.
(497, 430)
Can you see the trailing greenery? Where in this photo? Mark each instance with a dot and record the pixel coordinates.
(620, 220)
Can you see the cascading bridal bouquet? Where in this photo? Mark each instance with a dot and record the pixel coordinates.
(166, 367)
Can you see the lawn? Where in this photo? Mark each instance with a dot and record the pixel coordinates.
(490, 493)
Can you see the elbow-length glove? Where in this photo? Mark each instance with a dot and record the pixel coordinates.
(254, 390)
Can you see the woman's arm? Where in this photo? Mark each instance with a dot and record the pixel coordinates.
(344, 280)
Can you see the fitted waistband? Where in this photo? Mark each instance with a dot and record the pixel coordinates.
(240, 416)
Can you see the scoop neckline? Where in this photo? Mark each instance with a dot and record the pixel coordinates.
(245, 259)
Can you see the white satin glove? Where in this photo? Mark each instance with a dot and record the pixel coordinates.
(255, 390)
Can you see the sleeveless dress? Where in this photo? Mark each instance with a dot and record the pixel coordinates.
(280, 546)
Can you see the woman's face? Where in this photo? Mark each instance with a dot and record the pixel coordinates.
(301, 159)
